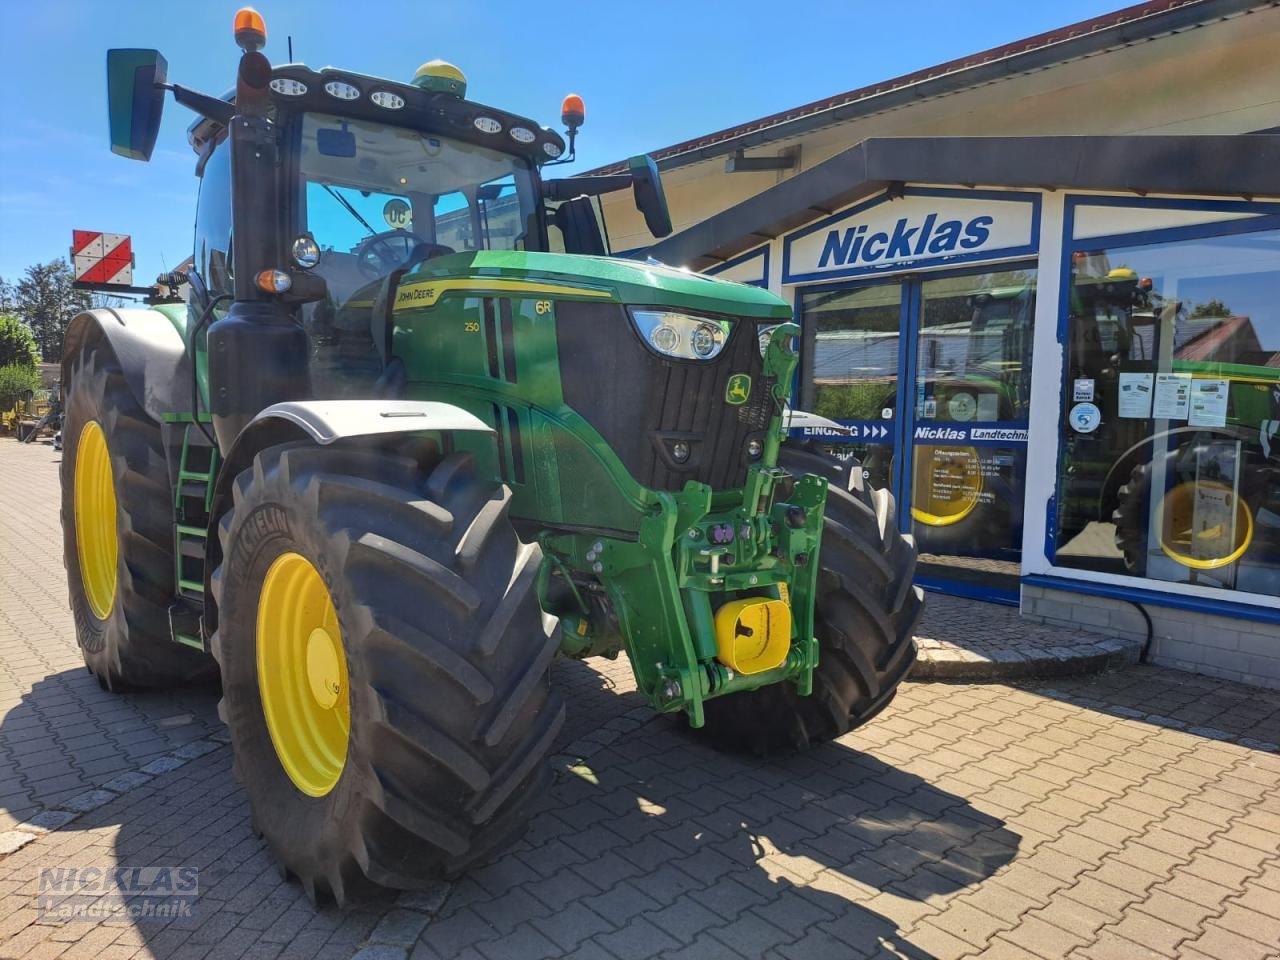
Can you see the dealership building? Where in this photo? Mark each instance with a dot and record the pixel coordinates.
(1039, 289)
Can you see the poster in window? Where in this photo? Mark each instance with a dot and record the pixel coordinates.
(1135, 395)
(1208, 403)
(1213, 532)
(1172, 397)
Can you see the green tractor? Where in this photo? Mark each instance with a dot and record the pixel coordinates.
(378, 479)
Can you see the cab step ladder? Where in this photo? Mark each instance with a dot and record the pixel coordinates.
(193, 498)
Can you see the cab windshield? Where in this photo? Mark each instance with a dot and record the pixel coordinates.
(372, 194)
(377, 199)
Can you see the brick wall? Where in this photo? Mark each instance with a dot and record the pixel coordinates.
(1199, 642)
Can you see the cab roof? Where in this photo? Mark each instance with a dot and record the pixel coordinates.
(441, 113)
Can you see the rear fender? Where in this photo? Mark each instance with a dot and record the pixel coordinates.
(323, 422)
(149, 348)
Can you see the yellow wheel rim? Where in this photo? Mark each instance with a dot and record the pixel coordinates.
(1181, 542)
(302, 674)
(947, 484)
(95, 507)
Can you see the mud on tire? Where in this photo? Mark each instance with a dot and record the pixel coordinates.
(132, 646)
(447, 654)
(865, 612)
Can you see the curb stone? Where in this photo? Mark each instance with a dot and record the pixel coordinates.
(938, 661)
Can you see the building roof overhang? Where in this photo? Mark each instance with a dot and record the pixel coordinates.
(1130, 25)
(1246, 165)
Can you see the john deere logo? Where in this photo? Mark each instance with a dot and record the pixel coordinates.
(737, 390)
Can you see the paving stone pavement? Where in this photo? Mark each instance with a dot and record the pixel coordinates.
(1133, 814)
(61, 735)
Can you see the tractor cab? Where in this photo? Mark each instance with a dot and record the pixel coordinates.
(374, 179)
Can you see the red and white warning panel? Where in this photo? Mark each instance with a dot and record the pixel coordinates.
(102, 259)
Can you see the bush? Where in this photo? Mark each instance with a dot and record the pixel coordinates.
(17, 344)
(16, 380)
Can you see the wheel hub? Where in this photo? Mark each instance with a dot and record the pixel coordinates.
(302, 674)
(322, 668)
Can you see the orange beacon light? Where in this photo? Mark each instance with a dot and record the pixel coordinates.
(573, 111)
(250, 30)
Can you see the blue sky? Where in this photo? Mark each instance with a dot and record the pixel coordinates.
(651, 74)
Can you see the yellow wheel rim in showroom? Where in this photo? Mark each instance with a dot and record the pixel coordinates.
(95, 507)
(1196, 549)
(302, 674)
(947, 484)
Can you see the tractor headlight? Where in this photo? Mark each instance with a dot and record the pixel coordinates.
(680, 335)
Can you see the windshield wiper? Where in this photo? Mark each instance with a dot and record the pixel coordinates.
(350, 209)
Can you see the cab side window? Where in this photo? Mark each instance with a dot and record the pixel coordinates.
(213, 222)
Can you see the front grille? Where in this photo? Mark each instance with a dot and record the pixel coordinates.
(642, 404)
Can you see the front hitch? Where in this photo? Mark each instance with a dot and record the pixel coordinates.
(697, 598)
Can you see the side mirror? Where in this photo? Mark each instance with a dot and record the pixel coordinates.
(646, 185)
(135, 100)
(651, 200)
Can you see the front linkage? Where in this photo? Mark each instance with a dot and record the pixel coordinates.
(716, 593)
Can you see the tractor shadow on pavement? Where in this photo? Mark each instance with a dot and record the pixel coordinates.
(657, 844)
(66, 736)
(653, 845)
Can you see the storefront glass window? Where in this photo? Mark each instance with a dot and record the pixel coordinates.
(1170, 464)
(851, 369)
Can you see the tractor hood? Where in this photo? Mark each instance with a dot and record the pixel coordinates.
(622, 281)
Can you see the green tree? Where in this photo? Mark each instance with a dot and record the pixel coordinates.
(47, 301)
(16, 380)
(1211, 308)
(17, 345)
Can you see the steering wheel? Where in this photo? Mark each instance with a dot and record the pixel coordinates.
(379, 254)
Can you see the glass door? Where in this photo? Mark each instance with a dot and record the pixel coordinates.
(851, 371)
(971, 383)
(932, 377)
